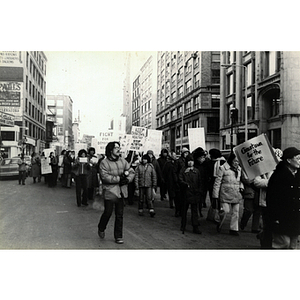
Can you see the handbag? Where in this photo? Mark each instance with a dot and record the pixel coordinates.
(213, 212)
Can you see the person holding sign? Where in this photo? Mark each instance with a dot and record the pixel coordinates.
(227, 188)
(80, 170)
(283, 200)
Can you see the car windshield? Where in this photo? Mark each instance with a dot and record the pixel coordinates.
(5, 162)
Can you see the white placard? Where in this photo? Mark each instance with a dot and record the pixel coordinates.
(45, 167)
(154, 141)
(196, 138)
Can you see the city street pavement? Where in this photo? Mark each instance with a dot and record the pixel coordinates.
(34, 216)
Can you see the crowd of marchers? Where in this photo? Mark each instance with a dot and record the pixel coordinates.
(187, 182)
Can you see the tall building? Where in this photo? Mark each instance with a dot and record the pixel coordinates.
(127, 110)
(22, 96)
(188, 96)
(144, 95)
(61, 106)
(270, 102)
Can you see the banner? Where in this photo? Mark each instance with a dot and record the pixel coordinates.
(153, 141)
(256, 156)
(196, 138)
(45, 167)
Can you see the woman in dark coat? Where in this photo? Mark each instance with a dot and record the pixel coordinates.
(92, 178)
(190, 180)
(67, 169)
(283, 200)
(35, 167)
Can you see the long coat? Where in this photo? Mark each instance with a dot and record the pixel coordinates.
(190, 180)
(228, 184)
(35, 167)
(283, 201)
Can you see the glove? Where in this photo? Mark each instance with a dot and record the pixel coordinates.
(123, 180)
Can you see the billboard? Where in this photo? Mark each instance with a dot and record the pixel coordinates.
(11, 58)
(11, 98)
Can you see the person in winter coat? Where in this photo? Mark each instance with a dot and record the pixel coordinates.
(227, 188)
(156, 166)
(190, 180)
(162, 160)
(201, 163)
(261, 182)
(52, 177)
(92, 178)
(172, 183)
(22, 169)
(81, 167)
(35, 167)
(115, 173)
(67, 169)
(251, 205)
(145, 181)
(134, 161)
(283, 200)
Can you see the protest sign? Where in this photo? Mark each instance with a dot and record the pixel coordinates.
(138, 139)
(45, 167)
(104, 138)
(125, 141)
(196, 138)
(256, 156)
(153, 141)
(47, 151)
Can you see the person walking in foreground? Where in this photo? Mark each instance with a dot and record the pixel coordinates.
(145, 181)
(283, 205)
(35, 167)
(227, 188)
(115, 173)
(190, 180)
(22, 169)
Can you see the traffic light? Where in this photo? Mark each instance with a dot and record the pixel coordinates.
(234, 114)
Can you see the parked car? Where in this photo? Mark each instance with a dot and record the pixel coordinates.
(9, 167)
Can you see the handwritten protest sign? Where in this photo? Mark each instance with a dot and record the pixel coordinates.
(125, 141)
(256, 156)
(153, 141)
(138, 139)
(196, 138)
(104, 138)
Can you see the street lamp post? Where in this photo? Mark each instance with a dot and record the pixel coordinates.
(246, 104)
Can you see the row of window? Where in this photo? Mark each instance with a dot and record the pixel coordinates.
(34, 112)
(35, 94)
(212, 127)
(34, 131)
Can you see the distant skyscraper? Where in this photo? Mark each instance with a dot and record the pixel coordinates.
(127, 108)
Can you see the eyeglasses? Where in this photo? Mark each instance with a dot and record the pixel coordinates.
(117, 148)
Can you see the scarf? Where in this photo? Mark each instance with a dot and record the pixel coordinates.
(217, 165)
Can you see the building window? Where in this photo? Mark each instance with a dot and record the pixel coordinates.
(215, 76)
(195, 123)
(173, 115)
(178, 131)
(272, 63)
(231, 57)
(197, 80)
(26, 105)
(179, 111)
(215, 56)
(180, 92)
(275, 104)
(185, 128)
(188, 86)
(173, 96)
(196, 102)
(29, 87)
(230, 88)
(26, 82)
(215, 100)
(187, 107)
(212, 125)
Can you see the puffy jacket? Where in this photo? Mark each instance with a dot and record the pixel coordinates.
(110, 172)
(227, 185)
(22, 164)
(145, 176)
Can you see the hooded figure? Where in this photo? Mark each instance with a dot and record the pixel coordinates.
(162, 161)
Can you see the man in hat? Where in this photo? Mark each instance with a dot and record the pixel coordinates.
(283, 200)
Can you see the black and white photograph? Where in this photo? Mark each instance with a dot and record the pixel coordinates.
(148, 158)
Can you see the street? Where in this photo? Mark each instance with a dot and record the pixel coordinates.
(35, 216)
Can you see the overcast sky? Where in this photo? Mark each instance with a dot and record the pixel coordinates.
(94, 81)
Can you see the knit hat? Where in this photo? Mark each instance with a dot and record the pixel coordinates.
(184, 149)
(290, 153)
(146, 156)
(150, 152)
